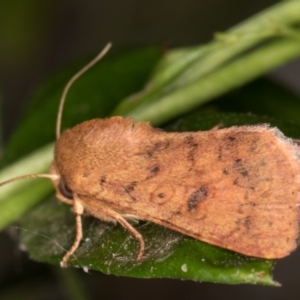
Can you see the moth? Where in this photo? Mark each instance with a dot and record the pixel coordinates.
(236, 188)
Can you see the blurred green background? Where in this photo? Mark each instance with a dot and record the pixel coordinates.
(37, 37)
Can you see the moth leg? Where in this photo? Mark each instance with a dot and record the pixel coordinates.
(78, 210)
(136, 234)
(117, 217)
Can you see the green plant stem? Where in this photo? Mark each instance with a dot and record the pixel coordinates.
(16, 198)
(181, 67)
(273, 22)
(239, 72)
(22, 200)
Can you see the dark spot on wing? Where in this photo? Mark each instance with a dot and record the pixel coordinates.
(176, 213)
(239, 166)
(155, 147)
(130, 187)
(196, 197)
(149, 153)
(161, 145)
(154, 169)
(246, 222)
(193, 145)
(190, 140)
(102, 179)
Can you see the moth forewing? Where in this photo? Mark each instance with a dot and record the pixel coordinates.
(236, 188)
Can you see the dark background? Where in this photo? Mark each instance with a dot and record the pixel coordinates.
(37, 37)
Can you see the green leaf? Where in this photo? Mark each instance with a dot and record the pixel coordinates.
(262, 97)
(48, 231)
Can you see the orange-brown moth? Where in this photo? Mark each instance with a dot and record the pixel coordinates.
(237, 188)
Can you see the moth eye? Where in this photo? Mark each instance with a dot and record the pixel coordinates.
(65, 190)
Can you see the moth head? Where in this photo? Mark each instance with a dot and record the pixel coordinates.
(63, 192)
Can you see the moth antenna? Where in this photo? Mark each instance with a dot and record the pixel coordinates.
(50, 176)
(71, 81)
